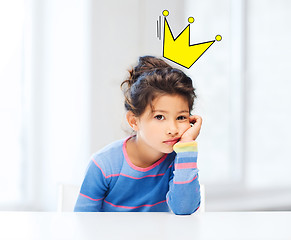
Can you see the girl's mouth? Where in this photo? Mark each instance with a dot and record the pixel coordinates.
(172, 141)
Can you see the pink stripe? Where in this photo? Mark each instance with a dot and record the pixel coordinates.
(90, 198)
(186, 181)
(161, 174)
(170, 166)
(112, 175)
(118, 174)
(122, 174)
(185, 165)
(99, 167)
(145, 205)
(136, 167)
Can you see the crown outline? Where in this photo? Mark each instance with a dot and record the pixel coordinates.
(196, 49)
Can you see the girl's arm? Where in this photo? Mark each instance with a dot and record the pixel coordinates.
(93, 189)
(183, 196)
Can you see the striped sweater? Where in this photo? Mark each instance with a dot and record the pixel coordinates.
(113, 184)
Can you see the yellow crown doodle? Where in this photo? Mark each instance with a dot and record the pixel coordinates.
(179, 49)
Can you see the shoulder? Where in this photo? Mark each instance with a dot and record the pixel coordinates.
(109, 157)
(110, 148)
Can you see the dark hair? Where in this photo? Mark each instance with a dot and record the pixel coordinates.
(151, 78)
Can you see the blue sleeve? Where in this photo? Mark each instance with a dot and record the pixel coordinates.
(183, 196)
(93, 189)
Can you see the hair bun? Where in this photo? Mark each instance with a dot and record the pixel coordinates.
(146, 64)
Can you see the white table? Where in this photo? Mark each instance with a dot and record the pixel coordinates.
(149, 226)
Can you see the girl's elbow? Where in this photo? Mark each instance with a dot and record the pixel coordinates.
(186, 210)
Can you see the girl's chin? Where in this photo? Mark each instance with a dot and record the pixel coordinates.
(169, 150)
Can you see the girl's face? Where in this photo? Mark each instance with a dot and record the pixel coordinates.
(168, 121)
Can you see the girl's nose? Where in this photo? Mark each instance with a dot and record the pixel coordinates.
(173, 129)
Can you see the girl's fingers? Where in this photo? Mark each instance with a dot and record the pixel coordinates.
(195, 119)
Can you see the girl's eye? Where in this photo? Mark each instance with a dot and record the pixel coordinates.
(159, 117)
(181, 118)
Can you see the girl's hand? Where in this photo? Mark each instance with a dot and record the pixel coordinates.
(192, 132)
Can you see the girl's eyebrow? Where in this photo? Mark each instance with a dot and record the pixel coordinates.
(167, 112)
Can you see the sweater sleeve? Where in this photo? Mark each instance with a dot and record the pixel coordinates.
(93, 189)
(183, 196)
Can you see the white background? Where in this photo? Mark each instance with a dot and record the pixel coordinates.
(61, 66)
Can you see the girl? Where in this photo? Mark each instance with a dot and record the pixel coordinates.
(155, 169)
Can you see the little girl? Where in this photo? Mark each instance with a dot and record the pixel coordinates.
(154, 170)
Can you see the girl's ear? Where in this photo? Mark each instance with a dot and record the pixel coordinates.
(132, 120)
